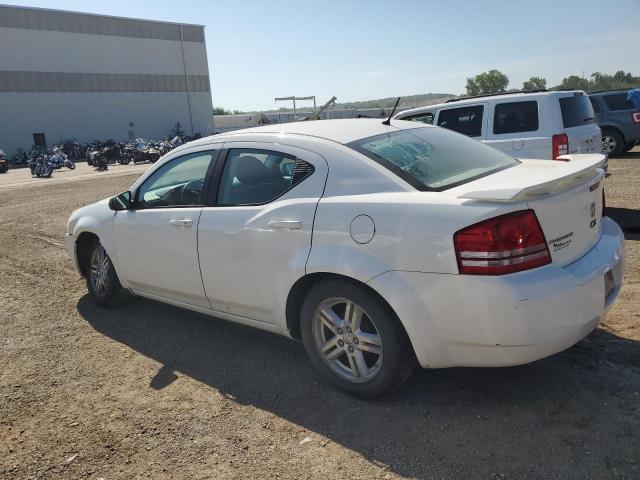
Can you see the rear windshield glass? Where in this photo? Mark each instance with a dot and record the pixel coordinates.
(433, 158)
(576, 111)
(618, 102)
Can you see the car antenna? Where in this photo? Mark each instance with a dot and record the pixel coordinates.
(388, 120)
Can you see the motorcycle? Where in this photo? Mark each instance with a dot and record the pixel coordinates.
(58, 160)
(40, 166)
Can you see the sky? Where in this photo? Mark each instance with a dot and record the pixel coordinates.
(361, 50)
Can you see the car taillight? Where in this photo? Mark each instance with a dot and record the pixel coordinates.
(505, 244)
(636, 117)
(560, 145)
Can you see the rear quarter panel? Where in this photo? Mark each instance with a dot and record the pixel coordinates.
(413, 231)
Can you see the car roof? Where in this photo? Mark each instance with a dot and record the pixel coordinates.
(514, 96)
(339, 130)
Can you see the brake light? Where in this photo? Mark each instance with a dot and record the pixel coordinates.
(560, 145)
(505, 244)
(636, 117)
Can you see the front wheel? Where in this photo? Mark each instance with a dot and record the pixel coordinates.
(102, 281)
(353, 339)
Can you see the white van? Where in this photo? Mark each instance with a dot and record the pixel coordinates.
(538, 124)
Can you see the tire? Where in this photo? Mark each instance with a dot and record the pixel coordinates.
(612, 143)
(102, 281)
(356, 367)
(71, 166)
(4, 168)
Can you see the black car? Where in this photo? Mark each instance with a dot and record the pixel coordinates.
(4, 162)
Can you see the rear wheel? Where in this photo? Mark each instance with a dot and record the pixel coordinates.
(612, 143)
(102, 281)
(353, 340)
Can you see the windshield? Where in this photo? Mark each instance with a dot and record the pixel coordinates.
(432, 158)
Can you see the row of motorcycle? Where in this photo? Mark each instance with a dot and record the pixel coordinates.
(42, 162)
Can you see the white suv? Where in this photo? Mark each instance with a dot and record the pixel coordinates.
(539, 124)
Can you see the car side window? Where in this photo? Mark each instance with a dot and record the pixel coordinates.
(515, 117)
(595, 105)
(254, 177)
(465, 120)
(618, 101)
(177, 183)
(424, 117)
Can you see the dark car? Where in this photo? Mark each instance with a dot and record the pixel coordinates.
(4, 162)
(619, 120)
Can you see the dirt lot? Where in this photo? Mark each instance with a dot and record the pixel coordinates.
(145, 390)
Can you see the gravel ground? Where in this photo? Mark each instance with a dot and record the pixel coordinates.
(144, 390)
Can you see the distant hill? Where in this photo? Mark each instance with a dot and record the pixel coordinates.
(405, 102)
(410, 101)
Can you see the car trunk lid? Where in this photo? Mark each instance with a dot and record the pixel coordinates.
(566, 197)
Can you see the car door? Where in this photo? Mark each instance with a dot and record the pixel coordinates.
(156, 240)
(515, 130)
(254, 236)
(469, 120)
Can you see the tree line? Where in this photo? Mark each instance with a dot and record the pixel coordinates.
(494, 81)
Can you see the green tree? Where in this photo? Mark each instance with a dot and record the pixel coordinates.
(220, 111)
(620, 79)
(534, 83)
(574, 82)
(493, 81)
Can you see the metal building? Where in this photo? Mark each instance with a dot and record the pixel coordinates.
(76, 75)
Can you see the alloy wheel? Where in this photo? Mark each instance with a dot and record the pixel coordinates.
(608, 144)
(100, 266)
(347, 339)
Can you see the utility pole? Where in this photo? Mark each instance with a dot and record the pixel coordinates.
(294, 98)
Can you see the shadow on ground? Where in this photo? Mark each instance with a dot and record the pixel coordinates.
(555, 409)
(627, 218)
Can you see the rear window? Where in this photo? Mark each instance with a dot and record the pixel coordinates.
(465, 120)
(516, 117)
(618, 102)
(433, 158)
(424, 117)
(576, 111)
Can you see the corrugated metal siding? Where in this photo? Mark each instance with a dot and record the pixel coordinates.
(35, 19)
(99, 82)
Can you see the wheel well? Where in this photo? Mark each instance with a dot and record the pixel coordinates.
(615, 129)
(300, 289)
(83, 249)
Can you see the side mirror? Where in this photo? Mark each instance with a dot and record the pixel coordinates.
(121, 202)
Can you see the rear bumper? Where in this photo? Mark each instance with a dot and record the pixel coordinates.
(480, 321)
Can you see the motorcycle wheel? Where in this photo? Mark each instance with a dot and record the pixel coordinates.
(71, 166)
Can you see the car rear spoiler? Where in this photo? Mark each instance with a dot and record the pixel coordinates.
(538, 178)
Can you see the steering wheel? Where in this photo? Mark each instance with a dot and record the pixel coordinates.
(191, 192)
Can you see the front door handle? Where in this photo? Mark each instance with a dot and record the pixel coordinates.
(181, 222)
(285, 224)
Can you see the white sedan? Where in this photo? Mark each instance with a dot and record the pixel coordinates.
(380, 246)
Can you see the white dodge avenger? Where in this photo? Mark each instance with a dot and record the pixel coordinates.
(377, 245)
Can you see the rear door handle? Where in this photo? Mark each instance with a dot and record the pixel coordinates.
(181, 222)
(285, 224)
